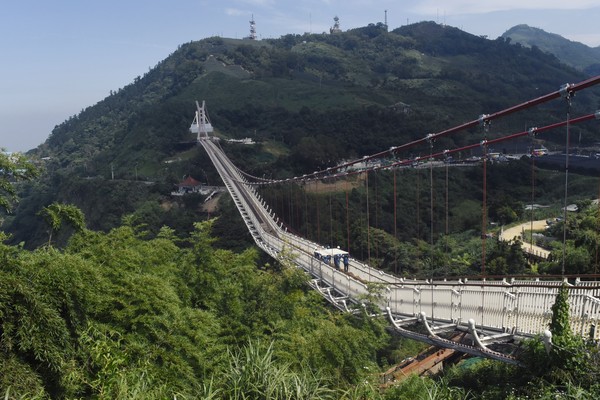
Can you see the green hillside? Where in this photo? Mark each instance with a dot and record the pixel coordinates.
(316, 98)
(575, 54)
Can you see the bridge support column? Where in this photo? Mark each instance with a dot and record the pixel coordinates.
(473, 332)
(423, 318)
(547, 338)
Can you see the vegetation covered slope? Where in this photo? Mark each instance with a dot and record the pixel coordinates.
(120, 316)
(310, 99)
(575, 54)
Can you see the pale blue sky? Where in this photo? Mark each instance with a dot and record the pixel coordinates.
(60, 56)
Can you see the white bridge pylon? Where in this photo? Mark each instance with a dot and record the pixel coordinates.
(201, 125)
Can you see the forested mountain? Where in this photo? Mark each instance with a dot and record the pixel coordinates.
(310, 100)
(575, 54)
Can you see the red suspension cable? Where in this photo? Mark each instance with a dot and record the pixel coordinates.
(395, 226)
(347, 219)
(368, 224)
(567, 88)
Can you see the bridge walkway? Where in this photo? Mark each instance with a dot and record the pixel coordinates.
(492, 313)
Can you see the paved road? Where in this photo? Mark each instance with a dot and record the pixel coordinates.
(516, 231)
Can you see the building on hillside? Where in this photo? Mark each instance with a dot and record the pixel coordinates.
(191, 186)
(401, 107)
(187, 186)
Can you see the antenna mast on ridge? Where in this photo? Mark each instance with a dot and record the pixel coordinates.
(385, 21)
(336, 25)
(252, 29)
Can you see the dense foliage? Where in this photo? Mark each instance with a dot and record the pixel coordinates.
(119, 316)
(581, 248)
(115, 315)
(13, 168)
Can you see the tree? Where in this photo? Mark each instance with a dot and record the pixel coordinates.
(13, 168)
(560, 325)
(57, 213)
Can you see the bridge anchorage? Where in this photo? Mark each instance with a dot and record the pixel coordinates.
(493, 316)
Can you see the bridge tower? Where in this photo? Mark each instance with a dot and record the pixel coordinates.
(201, 125)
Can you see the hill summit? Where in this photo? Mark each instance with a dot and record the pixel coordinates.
(575, 54)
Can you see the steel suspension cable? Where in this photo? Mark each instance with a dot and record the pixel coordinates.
(330, 222)
(484, 214)
(431, 252)
(571, 88)
(375, 242)
(305, 211)
(440, 154)
(298, 207)
(347, 218)
(306, 178)
(597, 230)
(484, 144)
(395, 227)
(368, 228)
(446, 230)
(418, 205)
(532, 198)
(318, 209)
(291, 206)
(567, 95)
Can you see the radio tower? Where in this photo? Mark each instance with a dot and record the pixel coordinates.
(336, 26)
(386, 25)
(252, 29)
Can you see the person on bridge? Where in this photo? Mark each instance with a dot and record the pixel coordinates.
(336, 261)
(346, 262)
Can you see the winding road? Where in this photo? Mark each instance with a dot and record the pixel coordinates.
(510, 234)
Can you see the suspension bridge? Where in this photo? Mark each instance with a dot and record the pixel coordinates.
(494, 314)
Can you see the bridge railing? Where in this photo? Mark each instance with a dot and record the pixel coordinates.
(585, 311)
(522, 307)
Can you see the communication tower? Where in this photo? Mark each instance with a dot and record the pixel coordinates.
(336, 25)
(252, 29)
(385, 21)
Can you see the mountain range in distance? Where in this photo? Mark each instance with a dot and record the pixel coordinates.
(574, 54)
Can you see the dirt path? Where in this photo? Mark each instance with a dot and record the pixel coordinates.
(516, 231)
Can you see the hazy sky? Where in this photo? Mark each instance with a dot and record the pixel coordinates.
(60, 56)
